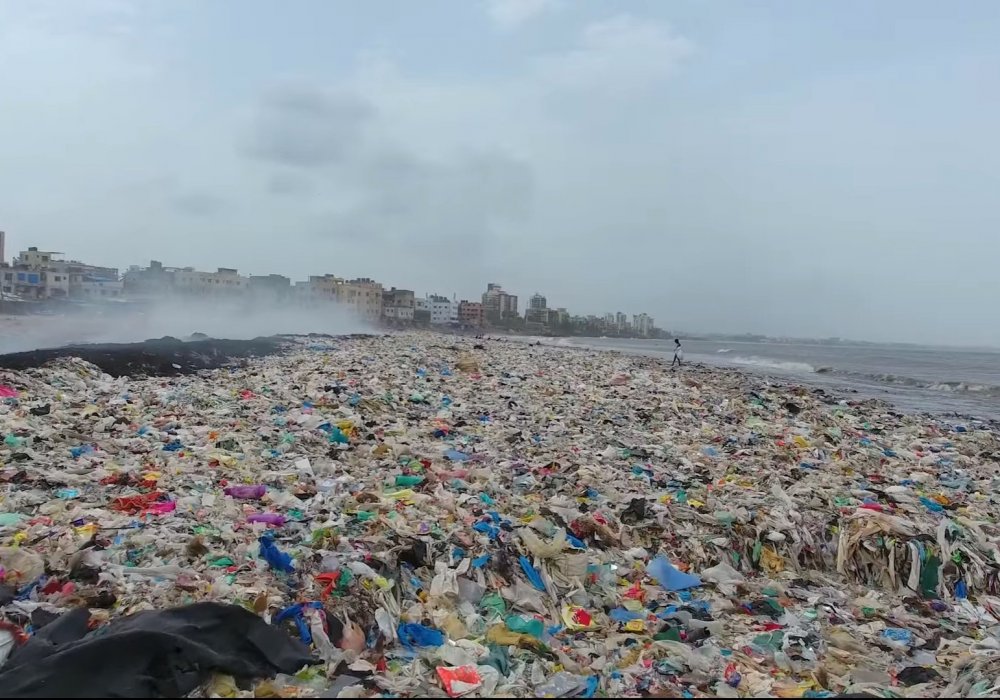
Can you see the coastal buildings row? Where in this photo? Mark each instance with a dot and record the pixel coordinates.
(37, 275)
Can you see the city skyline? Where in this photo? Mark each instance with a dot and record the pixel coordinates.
(369, 299)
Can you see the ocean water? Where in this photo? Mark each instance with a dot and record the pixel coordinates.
(942, 381)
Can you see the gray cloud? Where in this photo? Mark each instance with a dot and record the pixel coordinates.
(392, 192)
(621, 54)
(455, 203)
(508, 14)
(305, 127)
(289, 184)
(198, 204)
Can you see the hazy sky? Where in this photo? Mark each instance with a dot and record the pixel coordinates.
(781, 167)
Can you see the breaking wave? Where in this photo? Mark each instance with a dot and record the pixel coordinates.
(960, 387)
(765, 363)
(911, 382)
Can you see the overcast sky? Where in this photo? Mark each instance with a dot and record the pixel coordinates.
(779, 167)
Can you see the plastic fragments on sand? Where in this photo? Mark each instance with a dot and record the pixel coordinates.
(423, 515)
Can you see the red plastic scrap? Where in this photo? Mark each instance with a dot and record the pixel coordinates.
(467, 675)
(134, 504)
(582, 617)
(20, 636)
(330, 578)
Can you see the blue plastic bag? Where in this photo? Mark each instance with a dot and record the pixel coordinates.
(931, 505)
(533, 576)
(624, 615)
(897, 634)
(669, 578)
(275, 558)
(294, 612)
(412, 635)
(487, 528)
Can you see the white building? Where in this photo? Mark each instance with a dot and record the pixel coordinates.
(225, 281)
(444, 311)
(34, 284)
(642, 324)
(40, 274)
(97, 288)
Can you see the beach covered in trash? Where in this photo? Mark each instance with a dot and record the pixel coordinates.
(421, 515)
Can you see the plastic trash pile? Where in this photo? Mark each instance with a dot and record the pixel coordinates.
(431, 517)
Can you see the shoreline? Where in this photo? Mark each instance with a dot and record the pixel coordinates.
(831, 383)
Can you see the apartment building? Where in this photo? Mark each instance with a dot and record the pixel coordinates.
(498, 304)
(470, 313)
(398, 305)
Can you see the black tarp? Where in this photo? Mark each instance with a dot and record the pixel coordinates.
(165, 357)
(151, 654)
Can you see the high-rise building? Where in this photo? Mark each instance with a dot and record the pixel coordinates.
(621, 320)
(538, 310)
(498, 304)
(642, 325)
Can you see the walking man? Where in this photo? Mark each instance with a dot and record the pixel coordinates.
(678, 354)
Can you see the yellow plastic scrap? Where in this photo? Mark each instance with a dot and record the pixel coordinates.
(467, 363)
(771, 560)
(629, 659)
(500, 635)
(222, 686)
(454, 627)
(635, 626)
(224, 460)
(800, 442)
(793, 691)
(404, 495)
(86, 531)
